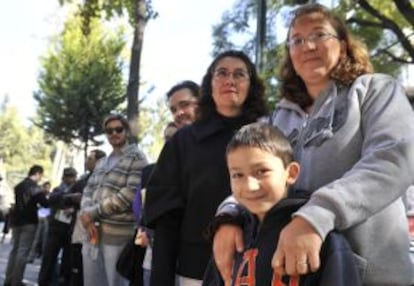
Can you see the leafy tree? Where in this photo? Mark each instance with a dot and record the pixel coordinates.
(387, 28)
(22, 146)
(139, 12)
(80, 83)
(154, 118)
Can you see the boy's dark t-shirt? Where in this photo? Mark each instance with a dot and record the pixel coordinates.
(253, 265)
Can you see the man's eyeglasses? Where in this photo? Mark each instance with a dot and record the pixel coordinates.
(315, 38)
(117, 130)
(238, 75)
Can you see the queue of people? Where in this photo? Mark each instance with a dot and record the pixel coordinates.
(24, 219)
(309, 193)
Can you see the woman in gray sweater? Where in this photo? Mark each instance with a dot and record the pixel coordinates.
(353, 134)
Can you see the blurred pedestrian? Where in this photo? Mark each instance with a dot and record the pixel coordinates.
(59, 233)
(28, 194)
(39, 242)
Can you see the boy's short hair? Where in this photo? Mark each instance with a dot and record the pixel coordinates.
(265, 137)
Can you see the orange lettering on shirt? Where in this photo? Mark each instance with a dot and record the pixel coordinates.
(277, 280)
(249, 263)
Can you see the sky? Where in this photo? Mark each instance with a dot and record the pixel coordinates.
(177, 44)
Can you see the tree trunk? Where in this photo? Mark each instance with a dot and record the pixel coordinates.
(134, 70)
(261, 34)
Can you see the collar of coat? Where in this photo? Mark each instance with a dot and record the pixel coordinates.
(216, 123)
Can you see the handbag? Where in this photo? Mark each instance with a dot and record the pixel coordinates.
(129, 263)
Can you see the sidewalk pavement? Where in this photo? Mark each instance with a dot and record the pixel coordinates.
(32, 269)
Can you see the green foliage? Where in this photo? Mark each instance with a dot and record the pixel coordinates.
(153, 119)
(90, 9)
(22, 146)
(385, 29)
(139, 12)
(80, 82)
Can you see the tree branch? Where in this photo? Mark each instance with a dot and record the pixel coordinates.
(395, 58)
(390, 25)
(366, 23)
(406, 9)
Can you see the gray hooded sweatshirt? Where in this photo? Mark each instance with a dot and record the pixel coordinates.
(356, 149)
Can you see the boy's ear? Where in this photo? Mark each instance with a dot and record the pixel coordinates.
(293, 172)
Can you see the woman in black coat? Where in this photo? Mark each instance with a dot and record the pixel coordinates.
(190, 178)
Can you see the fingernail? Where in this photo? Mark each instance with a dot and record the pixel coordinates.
(277, 263)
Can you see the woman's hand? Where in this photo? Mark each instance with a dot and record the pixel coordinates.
(227, 240)
(298, 249)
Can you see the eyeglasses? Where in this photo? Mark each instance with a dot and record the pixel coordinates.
(117, 130)
(238, 75)
(182, 105)
(315, 38)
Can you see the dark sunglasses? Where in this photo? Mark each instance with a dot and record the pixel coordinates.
(117, 130)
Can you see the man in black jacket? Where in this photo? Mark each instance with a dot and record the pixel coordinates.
(28, 194)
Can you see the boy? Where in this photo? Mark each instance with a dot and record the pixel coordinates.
(261, 168)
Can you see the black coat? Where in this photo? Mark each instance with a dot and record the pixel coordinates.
(190, 180)
(28, 194)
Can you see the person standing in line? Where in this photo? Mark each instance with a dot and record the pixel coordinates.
(183, 100)
(58, 236)
(28, 194)
(353, 134)
(106, 205)
(39, 242)
(78, 234)
(190, 177)
(145, 235)
(6, 216)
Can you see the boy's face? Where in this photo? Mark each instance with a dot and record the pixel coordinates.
(258, 178)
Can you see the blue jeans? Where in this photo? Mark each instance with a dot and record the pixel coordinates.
(22, 238)
(99, 268)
